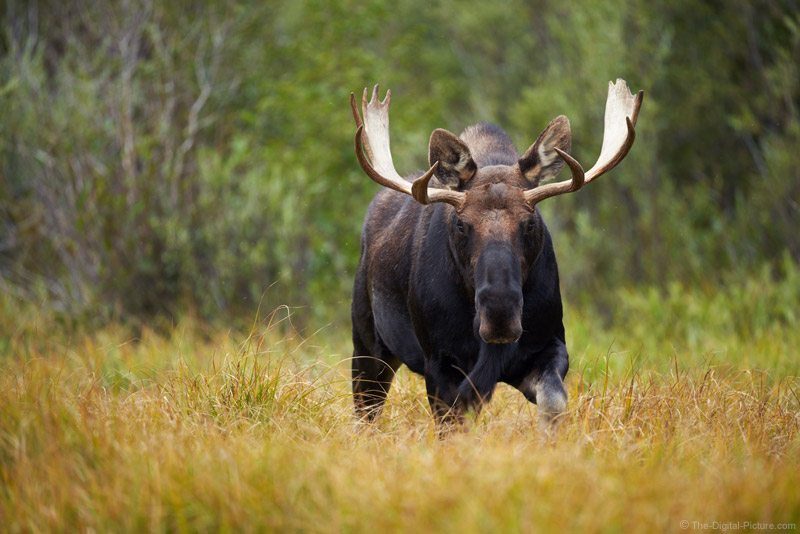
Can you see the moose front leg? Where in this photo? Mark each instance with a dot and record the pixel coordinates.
(455, 386)
(442, 377)
(478, 387)
(544, 383)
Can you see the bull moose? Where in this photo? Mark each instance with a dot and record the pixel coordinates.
(457, 277)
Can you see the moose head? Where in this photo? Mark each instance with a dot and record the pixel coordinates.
(495, 231)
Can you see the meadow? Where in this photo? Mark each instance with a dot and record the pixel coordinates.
(166, 166)
(186, 427)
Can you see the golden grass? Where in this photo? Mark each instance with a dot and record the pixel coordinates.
(179, 433)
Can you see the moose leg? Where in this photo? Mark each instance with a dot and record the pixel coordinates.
(372, 377)
(477, 387)
(442, 378)
(544, 385)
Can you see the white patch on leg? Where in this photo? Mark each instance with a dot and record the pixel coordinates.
(551, 400)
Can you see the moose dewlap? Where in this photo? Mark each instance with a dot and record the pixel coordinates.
(457, 277)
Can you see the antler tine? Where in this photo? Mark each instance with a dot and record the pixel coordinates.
(618, 135)
(354, 109)
(622, 111)
(534, 196)
(372, 133)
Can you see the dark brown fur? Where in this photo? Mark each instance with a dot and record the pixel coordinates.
(469, 296)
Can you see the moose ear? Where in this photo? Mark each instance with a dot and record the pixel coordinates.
(456, 165)
(541, 162)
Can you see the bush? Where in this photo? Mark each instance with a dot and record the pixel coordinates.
(156, 158)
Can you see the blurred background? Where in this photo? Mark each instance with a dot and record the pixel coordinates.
(162, 158)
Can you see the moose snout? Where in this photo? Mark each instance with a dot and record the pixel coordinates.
(498, 294)
(499, 315)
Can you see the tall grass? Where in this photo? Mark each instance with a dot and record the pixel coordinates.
(194, 429)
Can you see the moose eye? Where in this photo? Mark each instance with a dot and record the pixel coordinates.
(531, 225)
(460, 225)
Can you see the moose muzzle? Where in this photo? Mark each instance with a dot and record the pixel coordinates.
(498, 295)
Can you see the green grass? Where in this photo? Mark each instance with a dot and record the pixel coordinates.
(196, 429)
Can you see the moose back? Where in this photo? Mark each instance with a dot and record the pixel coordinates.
(457, 277)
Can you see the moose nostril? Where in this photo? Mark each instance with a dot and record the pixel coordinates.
(509, 335)
(502, 327)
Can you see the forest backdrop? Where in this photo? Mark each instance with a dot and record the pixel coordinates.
(164, 157)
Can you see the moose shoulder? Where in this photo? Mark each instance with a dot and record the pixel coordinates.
(458, 278)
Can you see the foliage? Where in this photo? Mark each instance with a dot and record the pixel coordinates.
(157, 157)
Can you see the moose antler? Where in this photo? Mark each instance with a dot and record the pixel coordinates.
(373, 133)
(622, 110)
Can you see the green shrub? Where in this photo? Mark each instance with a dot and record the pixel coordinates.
(158, 158)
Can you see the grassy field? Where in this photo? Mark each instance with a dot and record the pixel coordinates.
(686, 411)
